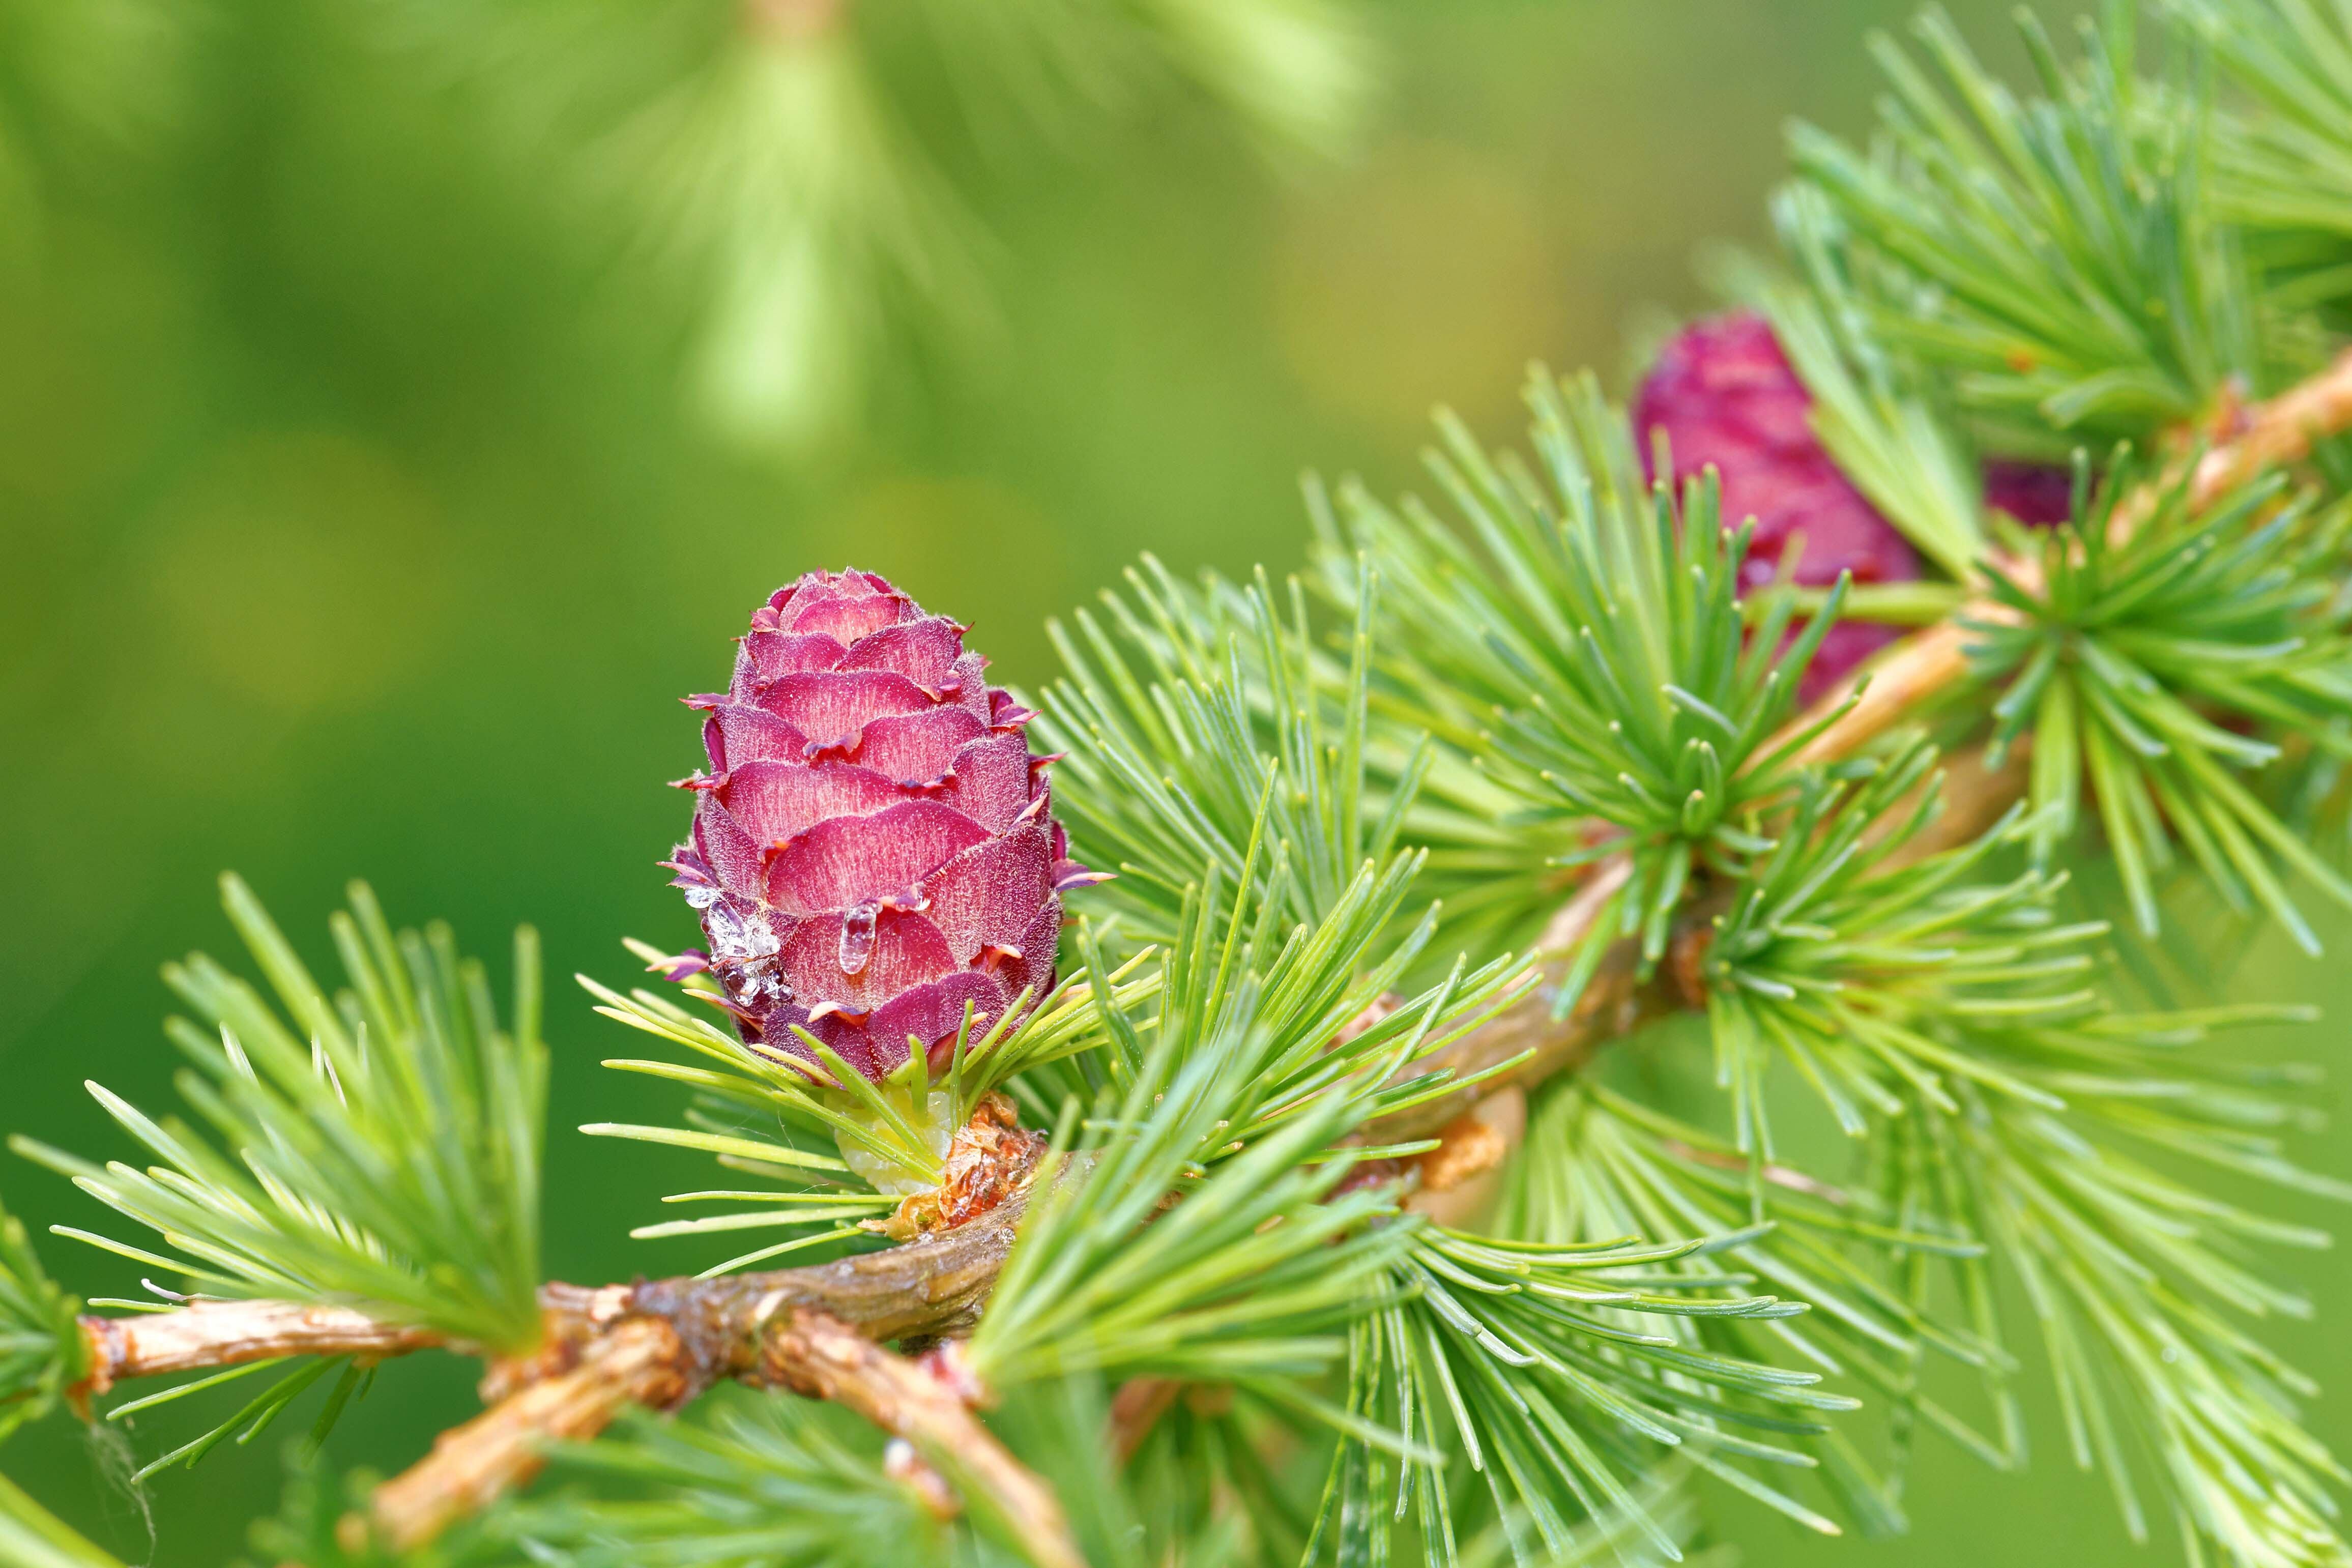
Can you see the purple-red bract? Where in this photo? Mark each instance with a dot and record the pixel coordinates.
(873, 849)
(2040, 494)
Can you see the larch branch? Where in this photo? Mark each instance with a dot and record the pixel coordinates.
(230, 1333)
(641, 1362)
(815, 1353)
(820, 1329)
(684, 1335)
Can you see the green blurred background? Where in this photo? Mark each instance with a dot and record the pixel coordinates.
(353, 520)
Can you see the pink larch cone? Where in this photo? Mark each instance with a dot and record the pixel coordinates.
(873, 849)
(1725, 394)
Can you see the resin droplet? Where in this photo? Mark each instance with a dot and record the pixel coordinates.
(857, 937)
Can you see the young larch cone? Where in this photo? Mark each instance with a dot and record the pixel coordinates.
(873, 849)
(1725, 394)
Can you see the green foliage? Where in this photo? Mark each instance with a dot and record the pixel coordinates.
(1226, 1469)
(2021, 1110)
(32, 1537)
(2127, 1265)
(2126, 659)
(1944, 1019)
(757, 1481)
(260, 1414)
(1629, 1537)
(1600, 1165)
(383, 1147)
(1274, 1040)
(2285, 172)
(1883, 422)
(1272, 879)
(1242, 1278)
(2074, 276)
(1877, 978)
(771, 1118)
(41, 1354)
(1555, 1371)
(2130, 1273)
(802, 173)
(317, 1500)
(1194, 712)
(1587, 650)
(41, 1351)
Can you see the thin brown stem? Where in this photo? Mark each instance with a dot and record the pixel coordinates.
(2281, 431)
(930, 1287)
(737, 1326)
(817, 1354)
(658, 1343)
(230, 1334)
(1617, 1000)
(1919, 670)
(640, 1362)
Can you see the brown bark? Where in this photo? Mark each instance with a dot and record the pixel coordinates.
(1462, 1177)
(684, 1335)
(2282, 430)
(641, 1362)
(817, 1354)
(1922, 667)
(933, 1286)
(768, 1337)
(1616, 1001)
(930, 1287)
(230, 1334)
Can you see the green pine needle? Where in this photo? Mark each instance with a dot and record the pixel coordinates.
(1876, 981)
(2073, 276)
(41, 1351)
(751, 1481)
(1557, 1374)
(1247, 1272)
(2284, 171)
(2126, 662)
(383, 1147)
(1885, 423)
(867, 1144)
(1587, 650)
(33, 1537)
(1600, 1166)
(1185, 713)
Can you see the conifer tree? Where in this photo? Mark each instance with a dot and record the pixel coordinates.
(1169, 1118)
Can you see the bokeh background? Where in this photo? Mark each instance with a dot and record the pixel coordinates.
(355, 518)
